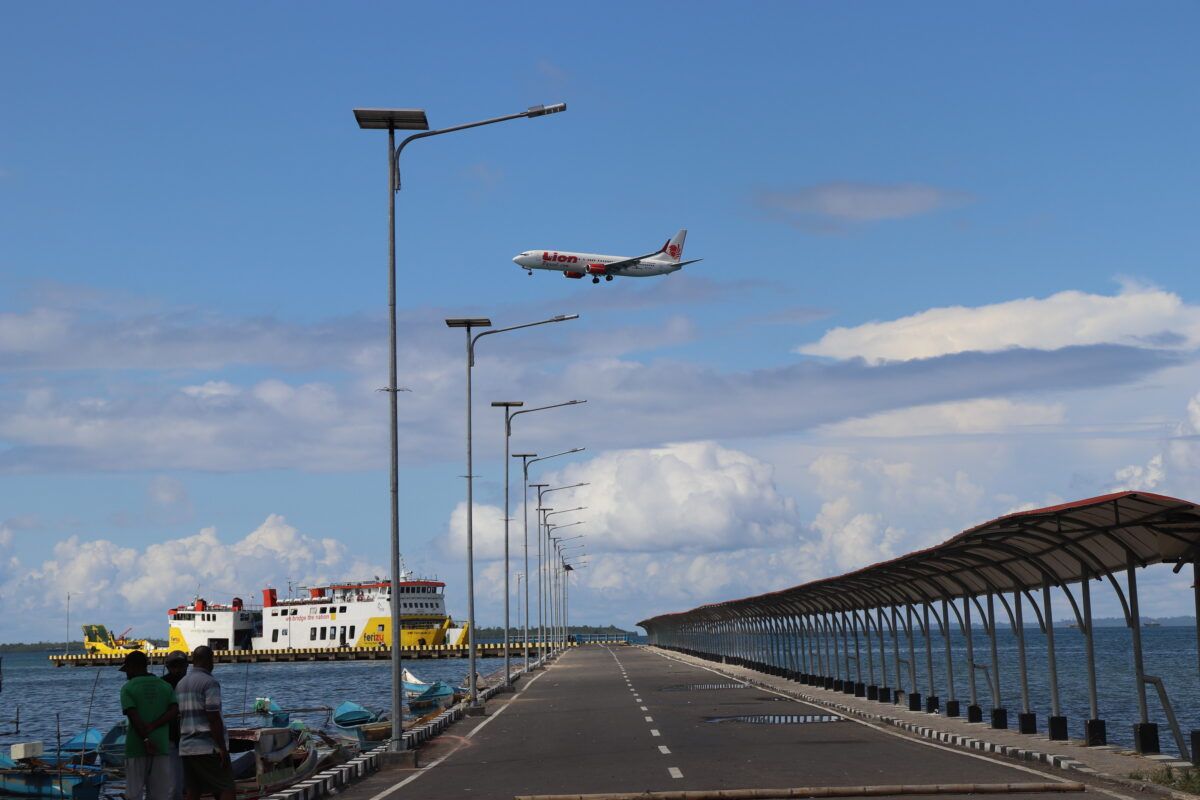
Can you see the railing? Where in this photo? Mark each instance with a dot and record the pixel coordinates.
(821, 633)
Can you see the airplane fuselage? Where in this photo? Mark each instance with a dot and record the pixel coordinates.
(594, 264)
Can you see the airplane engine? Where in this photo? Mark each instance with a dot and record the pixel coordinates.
(595, 269)
(572, 274)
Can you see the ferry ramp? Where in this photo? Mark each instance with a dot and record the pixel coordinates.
(626, 720)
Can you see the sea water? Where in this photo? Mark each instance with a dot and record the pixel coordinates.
(58, 701)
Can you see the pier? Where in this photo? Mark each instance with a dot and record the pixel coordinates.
(621, 721)
(829, 689)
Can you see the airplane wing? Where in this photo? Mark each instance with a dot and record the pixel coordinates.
(629, 262)
(685, 263)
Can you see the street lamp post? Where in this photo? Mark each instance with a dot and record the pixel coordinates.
(468, 323)
(526, 460)
(542, 562)
(392, 120)
(508, 406)
(557, 595)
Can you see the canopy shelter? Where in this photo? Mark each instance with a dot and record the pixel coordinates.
(1061, 544)
(811, 632)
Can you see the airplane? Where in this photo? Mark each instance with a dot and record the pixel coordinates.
(575, 265)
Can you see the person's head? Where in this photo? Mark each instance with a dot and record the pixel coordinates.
(176, 662)
(135, 664)
(202, 657)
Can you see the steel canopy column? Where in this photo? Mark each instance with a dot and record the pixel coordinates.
(1058, 723)
(914, 697)
(951, 700)
(932, 703)
(896, 654)
(885, 693)
(999, 713)
(1026, 720)
(1145, 733)
(1095, 732)
(974, 712)
(872, 687)
(860, 688)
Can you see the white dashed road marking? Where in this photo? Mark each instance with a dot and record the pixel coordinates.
(653, 732)
(662, 748)
(676, 772)
(643, 708)
(649, 719)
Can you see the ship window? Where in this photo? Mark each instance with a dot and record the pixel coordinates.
(351, 631)
(312, 634)
(274, 613)
(322, 609)
(342, 610)
(323, 630)
(275, 636)
(379, 627)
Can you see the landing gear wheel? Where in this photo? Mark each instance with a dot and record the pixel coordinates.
(529, 273)
(608, 277)
(595, 280)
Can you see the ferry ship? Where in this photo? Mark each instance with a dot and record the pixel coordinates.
(351, 614)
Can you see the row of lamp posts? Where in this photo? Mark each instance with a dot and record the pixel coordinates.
(409, 119)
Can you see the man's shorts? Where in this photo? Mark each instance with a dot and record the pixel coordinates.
(207, 774)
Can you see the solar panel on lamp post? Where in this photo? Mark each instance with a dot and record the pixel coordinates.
(392, 120)
(468, 324)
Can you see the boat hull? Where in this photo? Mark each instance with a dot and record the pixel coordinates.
(50, 783)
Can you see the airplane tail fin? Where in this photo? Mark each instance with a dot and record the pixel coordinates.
(674, 248)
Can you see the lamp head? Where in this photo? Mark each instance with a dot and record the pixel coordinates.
(508, 404)
(541, 111)
(469, 322)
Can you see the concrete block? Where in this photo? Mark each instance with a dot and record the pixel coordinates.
(1027, 722)
(1058, 729)
(1096, 733)
(1000, 719)
(1145, 737)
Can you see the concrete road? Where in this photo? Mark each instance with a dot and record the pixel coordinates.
(618, 719)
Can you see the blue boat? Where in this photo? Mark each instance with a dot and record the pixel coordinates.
(436, 694)
(34, 779)
(360, 725)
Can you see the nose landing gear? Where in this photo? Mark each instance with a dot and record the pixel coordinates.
(529, 272)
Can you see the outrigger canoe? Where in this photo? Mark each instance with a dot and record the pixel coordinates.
(36, 778)
(360, 725)
(268, 760)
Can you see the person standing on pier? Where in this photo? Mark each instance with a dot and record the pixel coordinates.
(176, 663)
(202, 745)
(150, 704)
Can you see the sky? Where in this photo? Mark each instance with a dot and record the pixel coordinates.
(949, 271)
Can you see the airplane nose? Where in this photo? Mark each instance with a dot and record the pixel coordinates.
(516, 260)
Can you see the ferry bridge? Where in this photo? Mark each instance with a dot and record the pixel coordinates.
(813, 691)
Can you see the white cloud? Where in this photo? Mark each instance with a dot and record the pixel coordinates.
(691, 497)
(1137, 317)
(986, 415)
(135, 584)
(830, 207)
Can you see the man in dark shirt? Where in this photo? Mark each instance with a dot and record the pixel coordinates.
(176, 662)
(150, 704)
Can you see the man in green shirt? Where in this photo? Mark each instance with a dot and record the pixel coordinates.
(150, 704)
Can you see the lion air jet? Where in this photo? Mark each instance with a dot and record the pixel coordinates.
(575, 265)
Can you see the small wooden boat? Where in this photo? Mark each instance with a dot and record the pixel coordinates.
(36, 778)
(438, 693)
(268, 760)
(360, 725)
